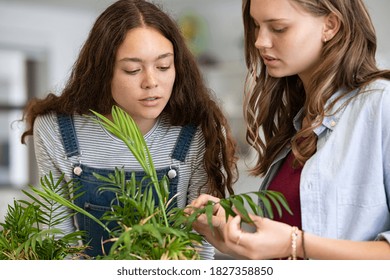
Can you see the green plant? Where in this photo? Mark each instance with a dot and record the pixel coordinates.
(145, 231)
(29, 230)
(145, 228)
(172, 228)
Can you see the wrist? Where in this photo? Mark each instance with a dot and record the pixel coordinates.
(297, 246)
(301, 249)
(295, 233)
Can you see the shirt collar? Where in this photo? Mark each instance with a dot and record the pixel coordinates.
(333, 115)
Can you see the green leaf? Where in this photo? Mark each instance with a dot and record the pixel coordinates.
(124, 127)
(253, 205)
(227, 205)
(282, 200)
(275, 203)
(208, 210)
(237, 202)
(49, 194)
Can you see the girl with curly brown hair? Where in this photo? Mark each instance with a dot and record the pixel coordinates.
(136, 58)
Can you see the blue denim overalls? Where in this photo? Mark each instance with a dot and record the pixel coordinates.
(98, 202)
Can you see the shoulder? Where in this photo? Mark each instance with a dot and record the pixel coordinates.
(165, 127)
(376, 94)
(188, 134)
(45, 124)
(198, 146)
(49, 122)
(46, 133)
(381, 85)
(46, 119)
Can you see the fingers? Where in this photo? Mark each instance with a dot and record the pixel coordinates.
(216, 220)
(238, 237)
(233, 232)
(237, 241)
(201, 220)
(257, 220)
(189, 210)
(203, 199)
(201, 202)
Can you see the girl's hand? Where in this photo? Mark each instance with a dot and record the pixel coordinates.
(213, 235)
(270, 240)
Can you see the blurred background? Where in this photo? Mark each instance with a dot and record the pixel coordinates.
(40, 40)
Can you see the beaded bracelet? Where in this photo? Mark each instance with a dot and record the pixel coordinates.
(294, 235)
(303, 245)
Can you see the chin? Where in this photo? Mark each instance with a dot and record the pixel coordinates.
(152, 116)
(278, 74)
(274, 75)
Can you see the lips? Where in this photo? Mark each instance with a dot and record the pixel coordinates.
(268, 58)
(150, 99)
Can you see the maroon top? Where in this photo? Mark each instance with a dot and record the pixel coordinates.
(287, 181)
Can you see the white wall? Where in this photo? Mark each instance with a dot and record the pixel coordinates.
(44, 33)
(13, 75)
(51, 36)
(379, 11)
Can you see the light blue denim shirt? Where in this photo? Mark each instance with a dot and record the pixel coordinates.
(345, 185)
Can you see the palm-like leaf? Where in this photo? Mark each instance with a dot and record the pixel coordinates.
(29, 230)
(124, 127)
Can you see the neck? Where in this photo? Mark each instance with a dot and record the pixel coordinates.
(144, 125)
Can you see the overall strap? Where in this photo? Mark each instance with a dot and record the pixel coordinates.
(68, 134)
(69, 139)
(184, 142)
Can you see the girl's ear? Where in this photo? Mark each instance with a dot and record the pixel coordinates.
(331, 27)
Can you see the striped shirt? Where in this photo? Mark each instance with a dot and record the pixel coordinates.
(100, 149)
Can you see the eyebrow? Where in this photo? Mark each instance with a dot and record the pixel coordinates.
(271, 19)
(275, 19)
(136, 59)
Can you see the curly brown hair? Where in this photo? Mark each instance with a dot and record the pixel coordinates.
(270, 104)
(191, 102)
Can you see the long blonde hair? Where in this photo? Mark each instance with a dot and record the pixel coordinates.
(270, 104)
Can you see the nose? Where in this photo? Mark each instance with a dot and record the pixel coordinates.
(149, 80)
(263, 39)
